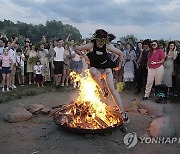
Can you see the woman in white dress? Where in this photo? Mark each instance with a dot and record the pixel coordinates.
(129, 57)
(171, 55)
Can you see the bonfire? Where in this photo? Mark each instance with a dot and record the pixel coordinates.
(87, 111)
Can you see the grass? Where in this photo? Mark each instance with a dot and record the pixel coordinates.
(28, 90)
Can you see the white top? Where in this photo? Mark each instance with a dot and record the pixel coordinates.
(59, 54)
(19, 59)
(38, 69)
(12, 53)
(77, 57)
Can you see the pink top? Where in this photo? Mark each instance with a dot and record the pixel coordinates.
(156, 57)
(6, 60)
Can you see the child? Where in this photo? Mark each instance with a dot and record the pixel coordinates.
(38, 71)
(20, 58)
(7, 65)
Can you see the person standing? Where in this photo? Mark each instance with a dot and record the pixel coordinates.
(141, 71)
(67, 60)
(156, 58)
(171, 55)
(57, 62)
(20, 58)
(31, 62)
(7, 65)
(129, 57)
(43, 55)
(38, 71)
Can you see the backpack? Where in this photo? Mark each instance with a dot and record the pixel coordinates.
(161, 93)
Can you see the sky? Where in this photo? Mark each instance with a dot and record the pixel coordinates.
(153, 19)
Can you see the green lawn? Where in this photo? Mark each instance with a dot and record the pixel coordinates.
(28, 90)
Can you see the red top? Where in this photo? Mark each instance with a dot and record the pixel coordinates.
(156, 57)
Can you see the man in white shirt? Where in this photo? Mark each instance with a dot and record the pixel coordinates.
(57, 62)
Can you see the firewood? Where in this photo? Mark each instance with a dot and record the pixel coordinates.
(100, 122)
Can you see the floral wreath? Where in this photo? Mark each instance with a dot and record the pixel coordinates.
(104, 40)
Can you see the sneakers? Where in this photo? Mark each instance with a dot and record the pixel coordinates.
(62, 85)
(105, 92)
(30, 83)
(67, 84)
(125, 117)
(7, 89)
(14, 87)
(3, 90)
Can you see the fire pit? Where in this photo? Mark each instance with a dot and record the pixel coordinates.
(87, 114)
(82, 118)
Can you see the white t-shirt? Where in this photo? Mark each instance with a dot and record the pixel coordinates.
(59, 56)
(19, 59)
(38, 69)
(12, 53)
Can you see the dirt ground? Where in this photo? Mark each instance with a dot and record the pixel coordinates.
(40, 135)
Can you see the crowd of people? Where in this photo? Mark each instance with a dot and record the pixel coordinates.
(143, 64)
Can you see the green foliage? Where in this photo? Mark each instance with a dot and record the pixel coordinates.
(128, 38)
(51, 29)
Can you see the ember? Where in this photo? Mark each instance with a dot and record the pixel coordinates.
(87, 111)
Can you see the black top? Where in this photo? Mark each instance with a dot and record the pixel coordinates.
(144, 59)
(99, 58)
(177, 60)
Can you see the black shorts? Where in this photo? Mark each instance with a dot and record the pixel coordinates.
(107, 64)
(39, 78)
(59, 66)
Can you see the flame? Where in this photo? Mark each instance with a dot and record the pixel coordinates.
(89, 92)
(87, 111)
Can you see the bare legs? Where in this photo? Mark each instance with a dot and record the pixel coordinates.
(58, 79)
(6, 79)
(110, 84)
(96, 75)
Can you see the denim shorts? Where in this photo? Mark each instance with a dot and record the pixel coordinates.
(76, 65)
(6, 70)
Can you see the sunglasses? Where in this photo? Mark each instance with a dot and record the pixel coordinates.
(102, 40)
(153, 44)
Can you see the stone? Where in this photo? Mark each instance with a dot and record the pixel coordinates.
(17, 114)
(34, 107)
(162, 127)
(45, 111)
(152, 108)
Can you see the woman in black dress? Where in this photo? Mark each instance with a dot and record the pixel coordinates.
(101, 64)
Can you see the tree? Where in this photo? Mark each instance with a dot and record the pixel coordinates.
(52, 29)
(128, 38)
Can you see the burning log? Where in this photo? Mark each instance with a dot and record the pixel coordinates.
(87, 112)
(100, 122)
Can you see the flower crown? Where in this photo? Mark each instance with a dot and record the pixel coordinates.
(104, 40)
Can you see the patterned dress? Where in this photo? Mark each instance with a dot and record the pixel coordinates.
(31, 62)
(43, 55)
(128, 64)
